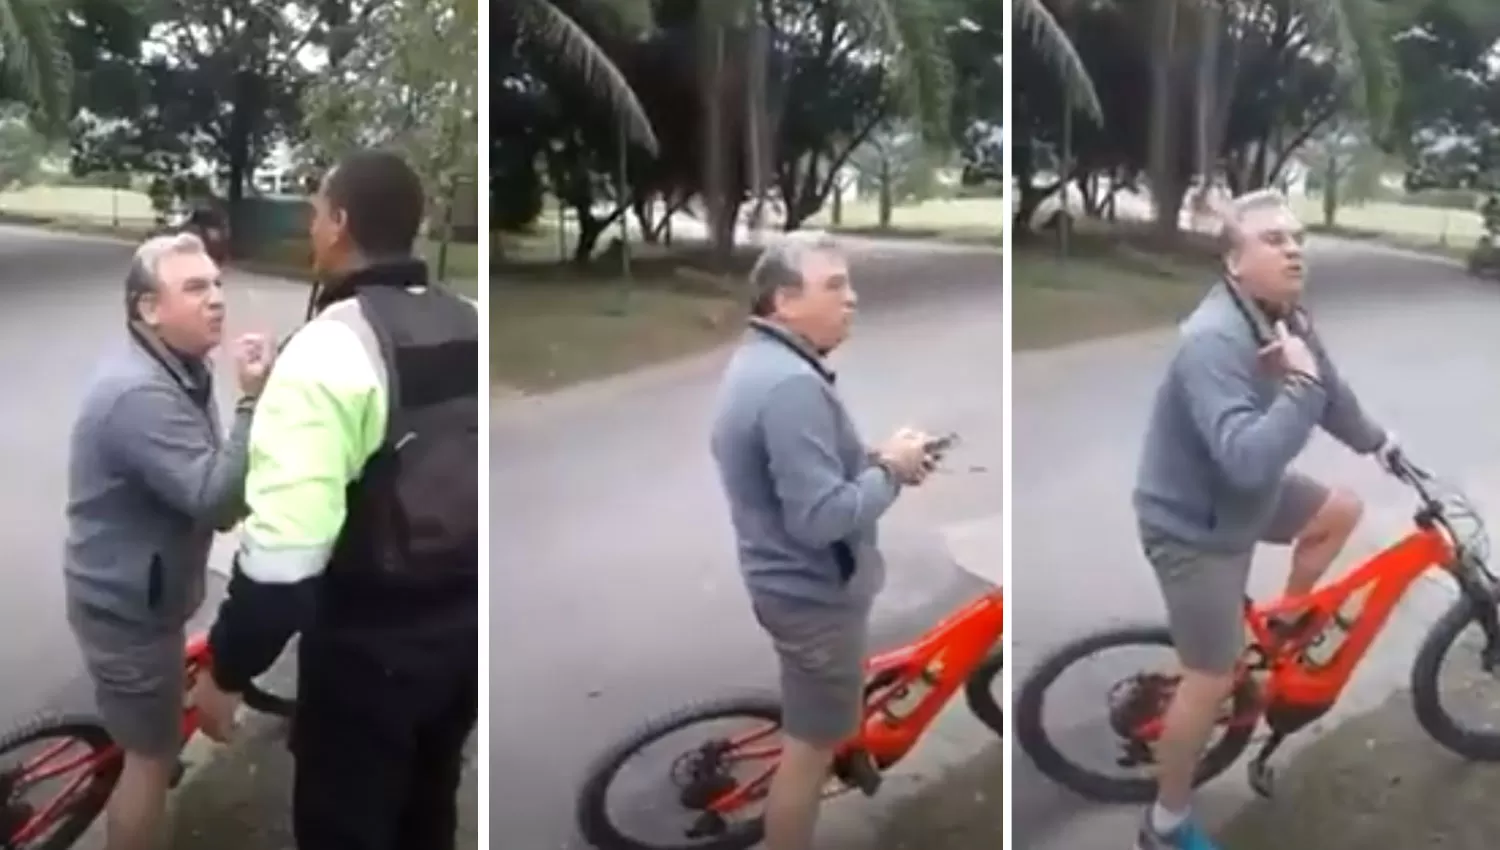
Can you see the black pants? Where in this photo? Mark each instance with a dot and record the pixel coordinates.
(379, 751)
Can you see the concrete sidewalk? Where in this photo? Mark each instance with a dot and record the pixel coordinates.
(240, 796)
(1378, 781)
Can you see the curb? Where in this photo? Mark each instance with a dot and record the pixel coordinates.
(978, 547)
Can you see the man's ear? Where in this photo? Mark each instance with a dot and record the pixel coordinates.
(145, 307)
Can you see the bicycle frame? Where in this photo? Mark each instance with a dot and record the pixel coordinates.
(942, 659)
(39, 770)
(1387, 576)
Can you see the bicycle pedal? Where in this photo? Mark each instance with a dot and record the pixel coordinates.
(858, 770)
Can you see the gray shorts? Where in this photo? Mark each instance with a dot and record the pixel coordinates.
(139, 681)
(1205, 591)
(821, 652)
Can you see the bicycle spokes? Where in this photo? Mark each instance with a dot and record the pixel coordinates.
(23, 821)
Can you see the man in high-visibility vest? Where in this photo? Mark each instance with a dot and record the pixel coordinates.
(363, 528)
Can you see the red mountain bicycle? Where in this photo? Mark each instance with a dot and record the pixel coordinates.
(76, 752)
(720, 782)
(1303, 652)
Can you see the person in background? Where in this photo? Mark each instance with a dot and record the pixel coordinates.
(363, 530)
(151, 478)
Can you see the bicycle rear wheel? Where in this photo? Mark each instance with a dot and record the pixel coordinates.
(702, 775)
(75, 750)
(1144, 697)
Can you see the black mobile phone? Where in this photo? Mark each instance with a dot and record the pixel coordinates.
(938, 445)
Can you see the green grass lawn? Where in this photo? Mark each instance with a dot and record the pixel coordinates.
(553, 324)
(1437, 229)
(128, 213)
(979, 220)
(1112, 282)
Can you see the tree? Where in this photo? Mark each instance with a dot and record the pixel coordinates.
(37, 65)
(894, 164)
(411, 84)
(22, 148)
(222, 85)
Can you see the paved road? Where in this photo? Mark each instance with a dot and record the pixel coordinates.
(62, 309)
(614, 593)
(1414, 336)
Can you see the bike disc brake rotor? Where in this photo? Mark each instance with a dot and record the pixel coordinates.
(1139, 700)
(701, 775)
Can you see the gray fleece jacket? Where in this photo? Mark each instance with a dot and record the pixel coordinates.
(150, 480)
(1224, 429)
(803, 494)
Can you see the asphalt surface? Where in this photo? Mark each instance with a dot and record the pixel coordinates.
(614, 590)
(1416, 339)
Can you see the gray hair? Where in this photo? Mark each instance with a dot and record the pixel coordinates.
(1237, 210)
(142, 278)
(782, 266)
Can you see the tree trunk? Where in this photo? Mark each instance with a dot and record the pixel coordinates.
(715, 182)
(1331, 192)
(1166, 185)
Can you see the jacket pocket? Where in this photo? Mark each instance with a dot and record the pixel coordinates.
(155, 579)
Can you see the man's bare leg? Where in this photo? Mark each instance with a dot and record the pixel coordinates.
(133, 818)
(796, 795)
(1186, 728)
(1321, 541)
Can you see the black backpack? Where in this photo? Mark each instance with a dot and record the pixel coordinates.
(414, 510)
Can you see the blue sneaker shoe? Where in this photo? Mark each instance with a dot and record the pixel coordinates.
(1187, 836)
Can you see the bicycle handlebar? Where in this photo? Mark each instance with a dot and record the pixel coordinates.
(1404, 470)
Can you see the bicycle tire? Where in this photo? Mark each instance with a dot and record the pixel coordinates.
(592, 813)
(1426, 696)
(89, 802)
(1034, 740)
(268, 703)
(979, 693)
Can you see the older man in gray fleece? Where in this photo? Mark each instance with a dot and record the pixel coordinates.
(151, 477)
(1248, 384)
(805, 494)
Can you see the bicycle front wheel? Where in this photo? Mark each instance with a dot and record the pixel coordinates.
(981, 690)
(1428, 697)
(56, 774)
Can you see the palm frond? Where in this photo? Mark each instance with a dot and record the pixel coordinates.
(33, 52)
(1056, 49)
(549, 28)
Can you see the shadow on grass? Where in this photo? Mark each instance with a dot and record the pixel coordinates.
(1112, 280)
